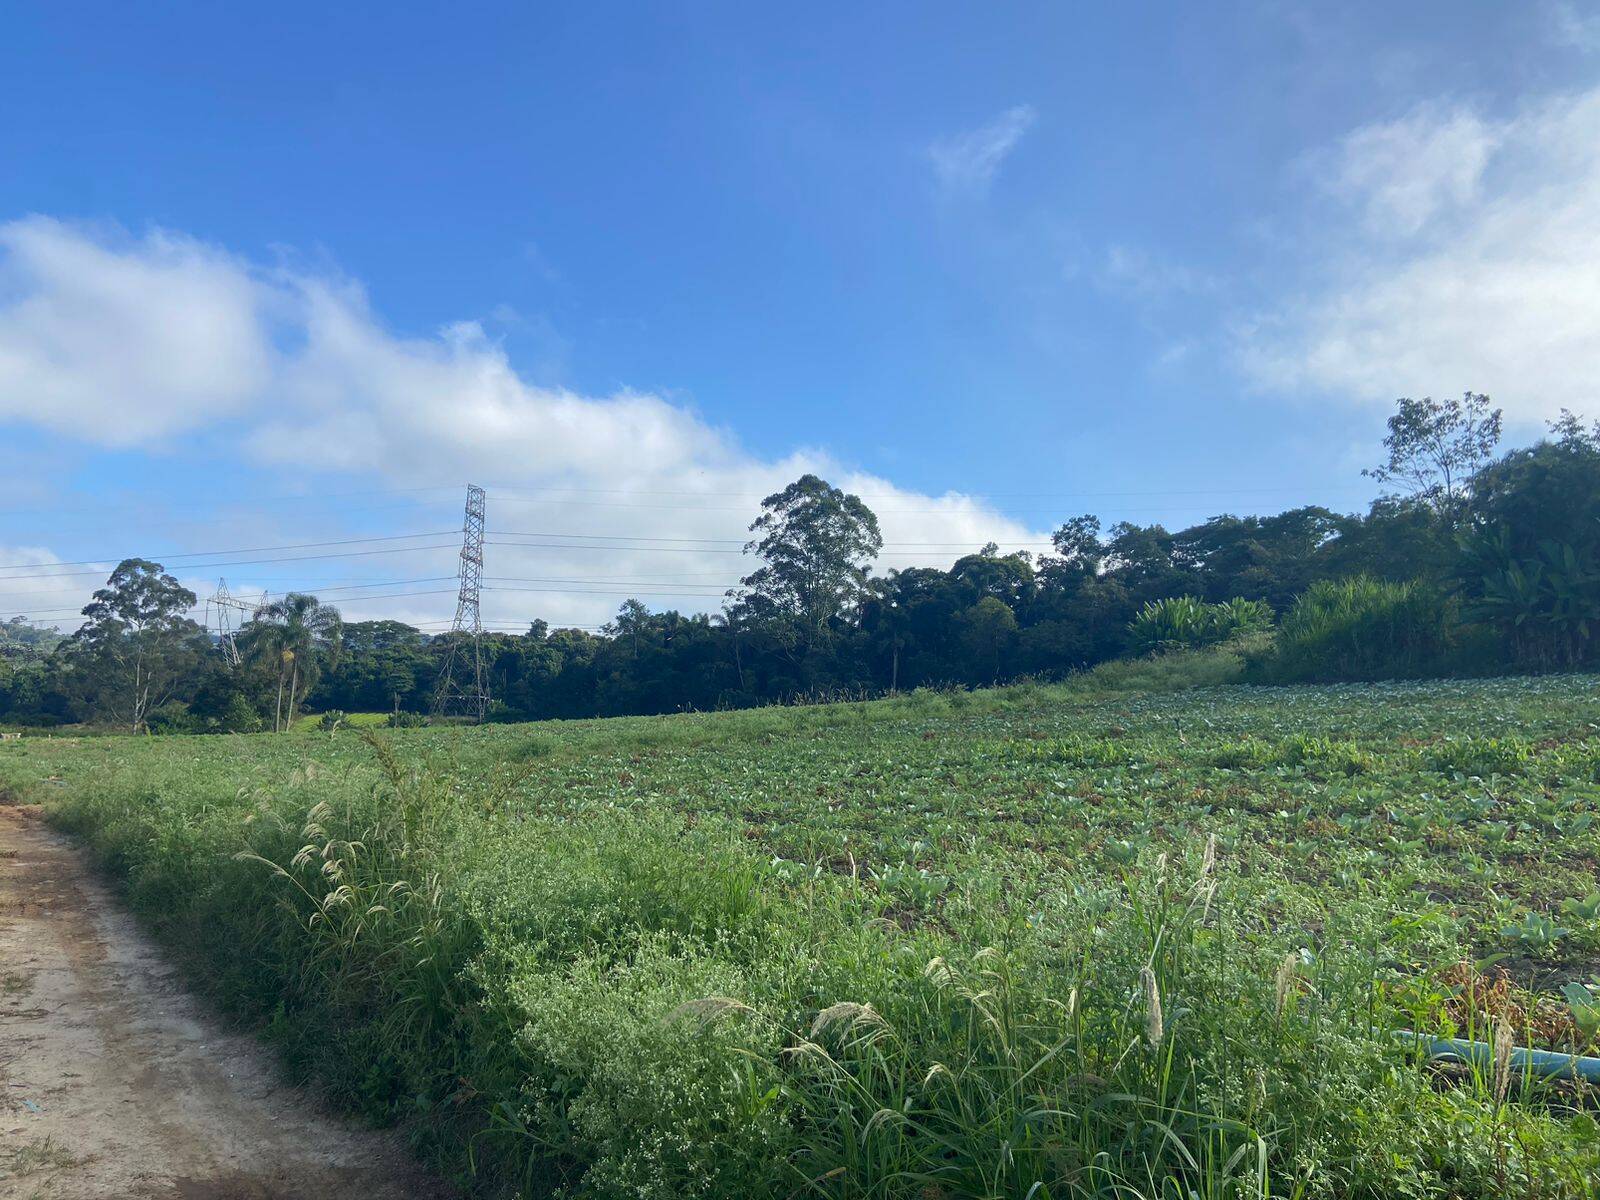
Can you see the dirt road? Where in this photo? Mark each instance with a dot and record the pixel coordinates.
(115, 1082)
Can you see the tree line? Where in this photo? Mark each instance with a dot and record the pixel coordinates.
(1472, 561)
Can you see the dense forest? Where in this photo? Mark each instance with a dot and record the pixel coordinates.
(1473, 561)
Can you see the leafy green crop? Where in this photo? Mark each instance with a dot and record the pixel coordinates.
(1033, 942)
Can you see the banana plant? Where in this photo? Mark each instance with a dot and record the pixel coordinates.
(1572, 589)
(1547, 605)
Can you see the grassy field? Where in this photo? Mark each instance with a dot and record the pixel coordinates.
(1031, 942)
(311, 722)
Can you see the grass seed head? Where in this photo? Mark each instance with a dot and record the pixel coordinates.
(1154, 1028)
(1288, 972)
(1503, 1045)
(707, 1010)
(848, 1014)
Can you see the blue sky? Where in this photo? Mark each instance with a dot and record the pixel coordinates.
(278, 279)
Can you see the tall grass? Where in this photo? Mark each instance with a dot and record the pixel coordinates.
(628, 1003)
(1174, 670)
(1364, 628)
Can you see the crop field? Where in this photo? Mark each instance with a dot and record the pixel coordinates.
(1027, 942)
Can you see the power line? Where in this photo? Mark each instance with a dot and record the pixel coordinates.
(200, 606)
(499, 493)
(395, 596)
(236, 519)
(609, 537)
(496, 584)
(315, 586)
(738, 541)
(505, 627)
(1001, 514)
(644, 581)
(608, 592)
(508, 493)
(614, 549)
(562, 541)
(697, 548)
(384, 583)
(966, 547)
(322, 588)
(741, 542)
(396, 537)
(245, 562)
(491, 582)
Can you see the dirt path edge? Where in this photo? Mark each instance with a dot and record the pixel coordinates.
(116, 1081)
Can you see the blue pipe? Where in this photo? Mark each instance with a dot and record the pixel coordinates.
(1548, 1064)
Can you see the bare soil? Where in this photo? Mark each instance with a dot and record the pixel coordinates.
(116, 1082)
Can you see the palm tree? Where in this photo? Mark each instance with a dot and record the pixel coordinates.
(887, 622)
(294, 633)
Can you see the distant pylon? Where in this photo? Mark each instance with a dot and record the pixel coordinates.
(463, 687)
(223, 605)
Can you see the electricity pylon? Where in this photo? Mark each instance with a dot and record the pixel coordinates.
(223, 604)
(463, 688)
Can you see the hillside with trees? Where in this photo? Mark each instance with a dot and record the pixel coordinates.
(1470, 563)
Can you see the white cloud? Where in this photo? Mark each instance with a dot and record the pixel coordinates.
(1483, 271)
(309, 380)
(969, 161)
(1405, 173)
(127, 342)
(35, 584)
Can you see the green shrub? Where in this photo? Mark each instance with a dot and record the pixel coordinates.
(1184, 621)
(1174, 670)
(1363, 628)
(240, 716)
(173, 717)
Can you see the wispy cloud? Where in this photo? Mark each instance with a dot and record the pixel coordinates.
(1143, 275)
(1573, 28)
(968, 161)
(1470, 258)
(536, 258)
(1403, 174)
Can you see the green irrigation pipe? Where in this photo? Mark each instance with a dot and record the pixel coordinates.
(1548, 1064)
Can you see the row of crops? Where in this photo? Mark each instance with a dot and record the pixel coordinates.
(1016, 943)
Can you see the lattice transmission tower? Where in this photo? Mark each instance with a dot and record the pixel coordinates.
(463, 688)
(228, 611)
